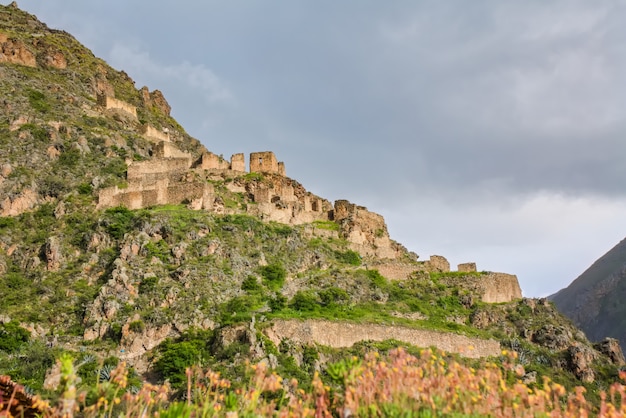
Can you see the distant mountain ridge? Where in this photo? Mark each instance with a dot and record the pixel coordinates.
(596, 300)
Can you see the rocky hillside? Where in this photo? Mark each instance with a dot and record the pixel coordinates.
(123, 238)
(595, 300)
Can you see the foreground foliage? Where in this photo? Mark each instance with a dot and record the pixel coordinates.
(430, 384)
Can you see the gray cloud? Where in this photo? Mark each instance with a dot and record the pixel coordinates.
(491, 131)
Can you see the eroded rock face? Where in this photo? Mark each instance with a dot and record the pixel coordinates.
(52, 253)
(482, 319)
(581, 362)
(120, 289)
(366, 231)
(611, 348)
(15, 52)
(155, 98)
(55, 59)
(135, 343)
(16, 205)
(553, 337)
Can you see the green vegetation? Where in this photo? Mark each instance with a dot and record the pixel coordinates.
(38, 101)
(273, 276)
(72, 270)
(328, 225)
(348, 257)
(12, 336)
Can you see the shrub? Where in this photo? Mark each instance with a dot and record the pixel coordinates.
(250, 284)
(278, 303)
(52, 186)
(12, 336)
(273, 276)
(38, 101)
(377, 279)
(7, 222)
(85, 189)
(137, 326)
(148, 284)
(69, 158)
(158, 249)
(239, 309)
(174, 358)
(37, 132)
(333, 295)
(304, 301)
(117, 221)
(348, 257)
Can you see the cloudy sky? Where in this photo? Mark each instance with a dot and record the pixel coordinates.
(486, 131)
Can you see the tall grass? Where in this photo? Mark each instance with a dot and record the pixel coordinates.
(398, 385)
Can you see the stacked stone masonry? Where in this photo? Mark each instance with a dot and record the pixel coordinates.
(342, 334)
(171, 177)
(467, 267)
(154, 135)
(110, 103)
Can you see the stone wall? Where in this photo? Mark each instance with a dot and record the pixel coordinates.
(154, 135)
(499, 287)
(168, 150)
(152, 170)
(210, 161)
(110, 103)
(344, 334)
(265, 162)
(398, 270)
(161, 192)
(437, 263)
(238, 162)
(466, 267)
(493, 287)
(280, 199)
(213, 162)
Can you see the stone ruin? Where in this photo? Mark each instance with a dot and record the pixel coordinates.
(173, 177)
(111, 103)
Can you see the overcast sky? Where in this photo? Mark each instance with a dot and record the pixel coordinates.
(486, 131)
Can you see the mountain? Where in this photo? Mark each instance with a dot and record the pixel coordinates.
(122, 238)
(595, 300)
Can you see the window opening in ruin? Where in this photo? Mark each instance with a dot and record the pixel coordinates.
(260, 160)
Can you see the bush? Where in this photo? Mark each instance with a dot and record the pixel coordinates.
(137, 326)
(250, 284)
(148, 284)
(117, 221)
(377, 279)
(12, 336)
(333, 295)
(239, 309)
(175, 358)
(69, 158)
(278, 303)
(304, 301)
(38, 101)
(37, 132)
(273, 276)
(348, 257)
(52, 186)
(85, 189)
(159, 250)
